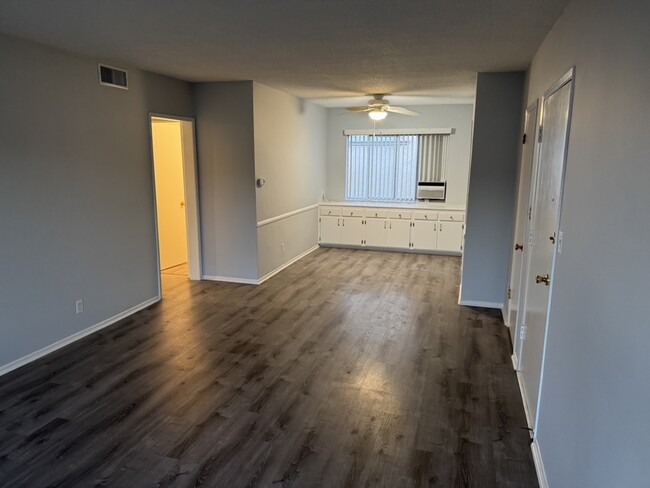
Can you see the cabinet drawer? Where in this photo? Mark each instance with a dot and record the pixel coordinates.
(335, 211)
(376, 213)
(425, 215)
(400, 214)
(352, 212)
(452, 216)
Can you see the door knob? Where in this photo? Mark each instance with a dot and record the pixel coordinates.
(552, 238)
(543, 279)
(182, 204)
(519, 247)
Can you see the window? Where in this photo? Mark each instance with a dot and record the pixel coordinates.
(386, 167)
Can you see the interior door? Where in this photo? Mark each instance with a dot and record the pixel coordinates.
(556, 108)
(170, 192)
(519, 247)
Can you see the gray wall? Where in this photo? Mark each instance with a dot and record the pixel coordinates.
(491, 202)
(593, 426)
(225, 146)
(290, 149)
(458, 117)
(76, 201)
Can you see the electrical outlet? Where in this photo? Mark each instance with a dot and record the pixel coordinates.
(79, 305)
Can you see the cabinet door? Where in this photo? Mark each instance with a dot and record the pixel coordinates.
(330, 230)
(450, 236)
(424, 235)
(399, 234)
(377, 232)
(352, 231)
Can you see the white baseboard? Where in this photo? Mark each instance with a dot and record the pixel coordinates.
(473, 303)
(539, 464)
(75, 337)
(247, 281)
(286, 265)
(229, 279)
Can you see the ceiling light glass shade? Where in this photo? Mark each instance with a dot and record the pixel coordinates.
(377, 115)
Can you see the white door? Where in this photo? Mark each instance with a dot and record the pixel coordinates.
(330, 230)
(170, 192)
(424, 235)
(450, 236)
(377, 232)
(556, 108)
(352, 231)
(519, 249)
(399, 235)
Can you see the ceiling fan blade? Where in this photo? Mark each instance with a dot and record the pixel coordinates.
(365, 108)
(400, 110)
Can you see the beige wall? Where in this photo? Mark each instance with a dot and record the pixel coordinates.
(170, 195)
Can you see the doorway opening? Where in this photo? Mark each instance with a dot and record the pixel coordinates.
(176, 196)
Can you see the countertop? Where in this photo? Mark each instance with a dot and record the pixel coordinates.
(412, 205)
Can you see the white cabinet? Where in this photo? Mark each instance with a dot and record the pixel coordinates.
(399, 235)
(417, 229)
(424, 235)
(351, 231)
(450, 236)
(330, 230)
(376, 232)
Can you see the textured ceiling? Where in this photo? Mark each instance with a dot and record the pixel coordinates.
(312, 48)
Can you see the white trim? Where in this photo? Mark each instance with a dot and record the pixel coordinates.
(190, 192)
(529, 417)
(539, 464)
(286, 265)
(75, 337)
(515, 361)
(247, 281)
(286, 215)
(396, 132)
(474, 303)
(230, 279)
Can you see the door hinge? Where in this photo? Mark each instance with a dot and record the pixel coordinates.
(522, 332)
(509, 293)
(541, 130)
(523, 139)
(319, 220)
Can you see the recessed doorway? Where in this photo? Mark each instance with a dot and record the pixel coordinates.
(176, 196)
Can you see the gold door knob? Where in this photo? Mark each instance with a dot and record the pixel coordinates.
(519, 247)
(543, 279)
(182, 204)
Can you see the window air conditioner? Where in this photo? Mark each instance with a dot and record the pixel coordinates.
(431, 190)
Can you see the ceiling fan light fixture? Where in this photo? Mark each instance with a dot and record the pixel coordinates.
(377, 114)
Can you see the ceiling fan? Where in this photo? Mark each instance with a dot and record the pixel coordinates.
(379, 107)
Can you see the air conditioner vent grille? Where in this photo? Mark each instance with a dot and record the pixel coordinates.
(110, 76)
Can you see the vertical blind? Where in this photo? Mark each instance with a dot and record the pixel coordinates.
(432, 155)
(387, 167)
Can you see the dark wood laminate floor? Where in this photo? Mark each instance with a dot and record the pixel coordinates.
(348, 369)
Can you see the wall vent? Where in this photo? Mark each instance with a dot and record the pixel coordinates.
(110, 76)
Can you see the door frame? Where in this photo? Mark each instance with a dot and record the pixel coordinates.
(522, 283)
(568, 77)
(190, 189)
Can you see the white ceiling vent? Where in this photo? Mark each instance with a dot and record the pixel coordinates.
(110, 76)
